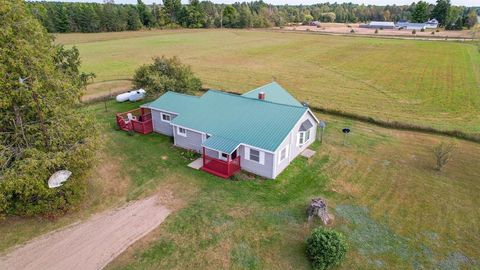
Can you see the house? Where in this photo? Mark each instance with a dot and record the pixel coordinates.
(378, 25)
(430, 24)
(261, 131)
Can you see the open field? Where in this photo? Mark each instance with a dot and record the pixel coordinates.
(420, 82)
(345, 28)
(396, 211)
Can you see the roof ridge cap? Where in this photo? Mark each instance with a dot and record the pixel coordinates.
(256, 99)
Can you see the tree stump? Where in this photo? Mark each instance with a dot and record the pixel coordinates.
(318, 207)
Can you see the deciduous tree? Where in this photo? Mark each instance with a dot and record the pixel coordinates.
(41, 129)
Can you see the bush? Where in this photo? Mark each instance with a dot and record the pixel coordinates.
(24, 186)
(326, 248)
(376, 31)
(422, 30)
(166, 74)
(352, 31)
(414, 32)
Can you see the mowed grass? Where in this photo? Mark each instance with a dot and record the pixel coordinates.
(420, 82)
(395, 209)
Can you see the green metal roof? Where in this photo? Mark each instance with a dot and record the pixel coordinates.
(275, 93)
(231, 118)
(175, 103)
(221, 144)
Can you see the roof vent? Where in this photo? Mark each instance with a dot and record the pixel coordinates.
(261, 95)
(305, 104)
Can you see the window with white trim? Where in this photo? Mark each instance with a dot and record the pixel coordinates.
(181, 131)
(255, 155)
(303, 137)
(166, 117)
(222, 156)
(283, 154)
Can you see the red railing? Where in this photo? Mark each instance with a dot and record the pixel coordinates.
(220, 167)
(141, 124)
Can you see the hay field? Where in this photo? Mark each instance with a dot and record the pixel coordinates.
(433, 83)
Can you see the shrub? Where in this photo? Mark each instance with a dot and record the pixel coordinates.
(443, 154)
(352, 31)
(433, 32)
(422, 30)
(166, 74)
(326, 248)
(376, 31)
(414, 32)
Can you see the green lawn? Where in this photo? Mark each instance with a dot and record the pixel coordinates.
(396, 211)
(422, 82)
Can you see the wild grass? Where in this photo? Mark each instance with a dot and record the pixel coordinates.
(428, 83)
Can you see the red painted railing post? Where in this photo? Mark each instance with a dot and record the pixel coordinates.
(228, 165)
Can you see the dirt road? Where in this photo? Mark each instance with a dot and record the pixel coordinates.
(91, 244)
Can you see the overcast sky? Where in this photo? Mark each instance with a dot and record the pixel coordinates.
(296, 2)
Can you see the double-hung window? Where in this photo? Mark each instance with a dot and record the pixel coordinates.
(254, 155)
(181, 131)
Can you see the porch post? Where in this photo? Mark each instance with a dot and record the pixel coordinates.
(203, 156)
(228, 165)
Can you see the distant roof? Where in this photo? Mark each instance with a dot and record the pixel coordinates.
(233, 119)
(274, 93)
(381, 23)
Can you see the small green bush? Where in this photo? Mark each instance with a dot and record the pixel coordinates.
(326, 248)
(414, 32)
(352, 31)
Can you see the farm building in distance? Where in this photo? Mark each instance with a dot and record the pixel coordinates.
(378, 25)
(261, 131)
(431, 24)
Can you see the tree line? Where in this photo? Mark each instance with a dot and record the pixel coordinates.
(59, 17)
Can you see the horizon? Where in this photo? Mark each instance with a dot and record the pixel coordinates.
(467, 3)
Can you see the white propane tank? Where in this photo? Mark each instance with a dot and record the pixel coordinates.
(124, 96)
(137, 95)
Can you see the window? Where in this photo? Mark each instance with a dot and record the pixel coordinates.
(303, 137)
(223, 156)
(283, 154)
(166, 117)
(181, 132)
(255, 155)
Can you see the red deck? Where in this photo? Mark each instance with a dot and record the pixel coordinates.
(142, 122)
(219, 167)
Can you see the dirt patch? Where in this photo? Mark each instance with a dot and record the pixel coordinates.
(344, 29)
(91, 244)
